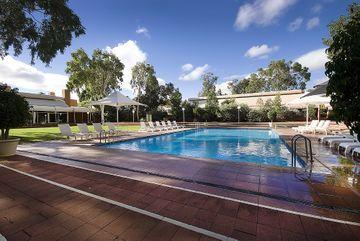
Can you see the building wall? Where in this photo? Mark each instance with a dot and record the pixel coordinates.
(252, 100)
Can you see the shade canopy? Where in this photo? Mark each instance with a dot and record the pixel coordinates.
(306, 100)
(116, 99)
(319, 89)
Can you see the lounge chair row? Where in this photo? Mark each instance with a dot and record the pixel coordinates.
(159, 126)
(345, 144)
(85, 133)
(315, 126)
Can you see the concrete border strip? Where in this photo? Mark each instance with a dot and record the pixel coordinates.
(36, 156)
(131, 208)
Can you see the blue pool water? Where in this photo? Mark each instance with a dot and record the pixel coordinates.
(238, 145)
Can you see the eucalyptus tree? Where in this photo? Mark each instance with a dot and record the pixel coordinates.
(94, 77)
(144, 81)
(278, 75)
(45, 26)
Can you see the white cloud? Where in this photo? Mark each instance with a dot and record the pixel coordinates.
(312, 23)
(295, 25)
(261, 12)
(316, 8)
(223, 87)
(143, 30)
(187, 67)
(129, 54)
(260, 51)
(28, 78)
(314, 60)
(195, 74)
(161, 81)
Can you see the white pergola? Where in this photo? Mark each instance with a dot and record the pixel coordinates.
(115, 99)
(304, 102)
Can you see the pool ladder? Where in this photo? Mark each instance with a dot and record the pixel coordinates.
(308, 152)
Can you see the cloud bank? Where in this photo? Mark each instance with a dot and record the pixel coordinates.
(260, 51)
(261, 12)
(193, 73)
(28, 78)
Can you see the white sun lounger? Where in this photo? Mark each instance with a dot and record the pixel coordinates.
(112, 129)
(159, 126)
(334, 142)
(356, 152)
(311, 127)
(171, 126)
(178, 126)
(99, 130)
(144, 127)
(84, 130)
(163, 124)
(324, 128)
(65, 130)
(312, 123)
(153, 127)
(348, 147)
(326, 138)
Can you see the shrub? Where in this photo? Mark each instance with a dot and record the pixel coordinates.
(257, 115)
(14, 110)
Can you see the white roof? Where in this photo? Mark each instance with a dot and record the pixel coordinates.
(44, 102)
(310, 100)
(59, 109)
(116, 99)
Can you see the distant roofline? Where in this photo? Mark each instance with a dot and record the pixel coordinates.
(259, 94)
(40, 96)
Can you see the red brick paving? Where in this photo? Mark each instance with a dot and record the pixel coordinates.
(78, 214)
(320, 189)
(26, 215)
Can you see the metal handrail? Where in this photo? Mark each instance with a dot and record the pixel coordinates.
(308, 149)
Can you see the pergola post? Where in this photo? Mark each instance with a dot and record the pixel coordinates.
(67, 117)
(102, 107)
(34, 117)
(307, 114)
(117, 114)
(74, 116)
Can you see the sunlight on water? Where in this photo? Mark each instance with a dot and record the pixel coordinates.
(238, 145)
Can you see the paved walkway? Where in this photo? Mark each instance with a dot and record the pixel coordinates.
(264, 185)
(35, 210)
(29, 207)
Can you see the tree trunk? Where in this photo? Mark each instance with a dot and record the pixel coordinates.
(137, 108)
(6, 133)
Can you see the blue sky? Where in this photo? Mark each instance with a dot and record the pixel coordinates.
(226, 37)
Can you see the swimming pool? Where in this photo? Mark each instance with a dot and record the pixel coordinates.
(237, 145)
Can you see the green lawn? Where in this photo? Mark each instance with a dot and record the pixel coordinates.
(52, 133)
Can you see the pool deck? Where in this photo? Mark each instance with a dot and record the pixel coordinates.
(236, 200)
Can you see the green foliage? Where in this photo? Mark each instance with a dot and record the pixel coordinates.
(175, 104)
(46, 26)
(229, 111)
(189, 111)
(146, 86)
(279, 75)
(14, 110)
(94, 78)
(257, 115)
(171, 97)
(208, 84)
(312, 112)
(343, 68)
(150, 97)
(209, 91)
